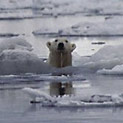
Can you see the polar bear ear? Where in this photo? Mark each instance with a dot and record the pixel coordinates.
(73, 47)
(48, 44)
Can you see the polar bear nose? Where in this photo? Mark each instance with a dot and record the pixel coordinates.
(61, 46)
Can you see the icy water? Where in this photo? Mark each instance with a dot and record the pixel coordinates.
(15, 106)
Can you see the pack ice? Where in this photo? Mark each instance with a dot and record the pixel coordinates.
(108, 60)
(45, 99)
(16, 57)
(101, 27)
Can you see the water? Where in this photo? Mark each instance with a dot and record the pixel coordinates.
(39, 42)
(15, 106)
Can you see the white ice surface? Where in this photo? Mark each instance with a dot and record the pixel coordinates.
(106, 58)
(117, 70)
(15, 43)
(15, 4)
(93, 100)
(68, 5)
(16, 57)
(34, 8)
(105, 27)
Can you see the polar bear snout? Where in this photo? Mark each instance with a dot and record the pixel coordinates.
(60, 46)
(60, 52)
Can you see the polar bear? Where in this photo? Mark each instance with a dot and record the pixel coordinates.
(60, 53)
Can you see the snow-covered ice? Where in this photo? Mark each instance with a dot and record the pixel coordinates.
(48, 32)
(16, 57)
(93, 100)
(105, 27)
(117, 70)
(15, 43)
(17, 54)
(106, 58)
(14, 9)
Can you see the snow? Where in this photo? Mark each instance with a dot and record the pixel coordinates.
(34, 93)
(117, 70)
(62, 78)
(15, 43)
(109, 12)
(14, 9)
(93, 100)
(16, 57)
(68, 7)
(104, 27)
(106, 58)
(14, 4)
(32, 77)
(46, 31)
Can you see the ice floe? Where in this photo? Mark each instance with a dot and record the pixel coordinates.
(48, 32)
(32, 77)
(106, 58)
(105, 27)
(109, 27)
(117, 70)
(15, 43)
(37, 96)
(53, 8)
(16, 57)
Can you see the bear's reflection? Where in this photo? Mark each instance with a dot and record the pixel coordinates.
(60, 89)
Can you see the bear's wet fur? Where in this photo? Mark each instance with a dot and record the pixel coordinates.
(60, 53)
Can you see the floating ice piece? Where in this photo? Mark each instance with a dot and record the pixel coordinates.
(88, 29)
(103, 28)
(14, 9)
(36, 93)
(16, 57)
(33, 78)
(63, 78)
(106, 58)
(18, 61)
(14, 4)
(38, 96)
(66, 101)
(49, 32)
(15, 43)
(117, 70)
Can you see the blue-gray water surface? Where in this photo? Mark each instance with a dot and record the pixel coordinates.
(15, 105)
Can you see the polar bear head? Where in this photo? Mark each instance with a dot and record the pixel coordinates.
(61, 45)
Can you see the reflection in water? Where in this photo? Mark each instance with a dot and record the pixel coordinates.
(60, 89)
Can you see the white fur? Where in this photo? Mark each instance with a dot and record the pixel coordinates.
(60, 58)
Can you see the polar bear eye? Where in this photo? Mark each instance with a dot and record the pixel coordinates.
(66, 41)
(56, 40)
